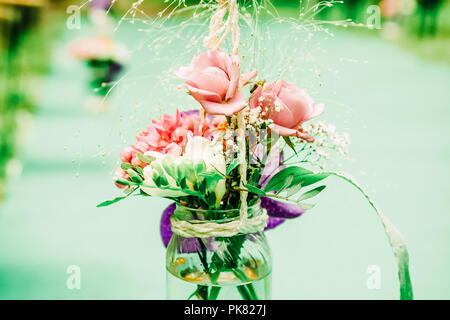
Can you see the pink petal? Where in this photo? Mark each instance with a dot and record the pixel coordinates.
(246, 77)
(276, 87)
(254, 97)
(304, 136)
(317, 111)
(298, 103)
(209, 82)
(235, 104)
(285, 117)
(214, 58)
(202, 95)
(234, 74)
(184, 72)
(283, 131)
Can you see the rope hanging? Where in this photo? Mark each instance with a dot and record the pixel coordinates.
(218, 31)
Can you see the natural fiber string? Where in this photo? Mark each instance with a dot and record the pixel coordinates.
(202, 229)
(242, 148)
(218, 31)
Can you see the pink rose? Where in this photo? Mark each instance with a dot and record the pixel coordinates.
(213, 79)
(288, 107)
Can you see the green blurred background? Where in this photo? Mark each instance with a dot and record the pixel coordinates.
(389, 88)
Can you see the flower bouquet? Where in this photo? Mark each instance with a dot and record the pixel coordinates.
(240, 165)
(104, 57)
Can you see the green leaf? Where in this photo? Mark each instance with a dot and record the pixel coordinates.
(311, 193)
(117, 199)
(254, 189)
(125, 166)
(200, 167)
(170, 167)
(293, 190)
(211, 179)
(134, 176)
(140, 171)
(189, 170)
(286, 184)
(159, 175)
(202, 187)
(232, 166)
(305, 206)
(144, 158)
(301, 175)
(182, 183)
(110, 202)
(211, 199)
(289, 143)
(157, 181)
(254, 176)
(122, 182)
(396, 242)
(192, 192)
(312, 178)
(181, 174)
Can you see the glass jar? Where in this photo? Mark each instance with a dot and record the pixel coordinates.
(210, 268)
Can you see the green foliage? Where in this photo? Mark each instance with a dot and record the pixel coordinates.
(134, 176)
(117, 199)
(255, 190)
(291, 180)
(312, 193)
(300, 175)
(123, 182)
(289, 143)
(110, 202)
(144, 158)
(125, 166)
(232, 166)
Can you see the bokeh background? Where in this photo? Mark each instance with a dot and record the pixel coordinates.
(388, 86)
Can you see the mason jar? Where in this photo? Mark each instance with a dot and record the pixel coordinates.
(236, 266)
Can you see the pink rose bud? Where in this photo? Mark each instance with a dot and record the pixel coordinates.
(126, 154)
(138, 163)
(121, 174)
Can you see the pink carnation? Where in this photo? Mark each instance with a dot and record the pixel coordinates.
(169, 134)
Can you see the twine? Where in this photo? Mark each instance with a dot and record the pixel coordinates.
(235, 35)
(218, 31)
(202, 229)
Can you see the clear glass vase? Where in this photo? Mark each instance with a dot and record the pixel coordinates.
(212, 268)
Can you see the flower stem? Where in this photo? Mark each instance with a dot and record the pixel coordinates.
(244, 293)
(214, 293)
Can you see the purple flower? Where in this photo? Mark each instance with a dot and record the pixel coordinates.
(272, 162)
(279, 209)
(165, 226)
(190, 112)
(101, 4)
